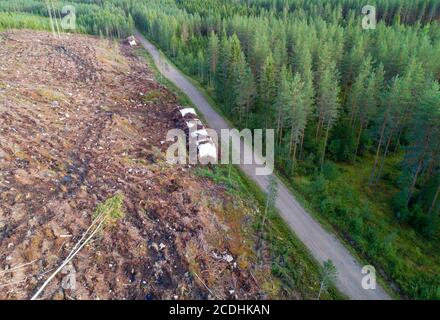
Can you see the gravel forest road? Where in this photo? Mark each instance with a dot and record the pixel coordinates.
(322, 244)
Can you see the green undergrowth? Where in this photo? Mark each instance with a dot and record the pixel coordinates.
(341, 199)
(290, 260)
(16, 20)
(111, 209)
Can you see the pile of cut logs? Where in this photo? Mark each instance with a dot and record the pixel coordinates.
(186, 119)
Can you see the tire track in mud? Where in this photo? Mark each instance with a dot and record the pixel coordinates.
(79, 165)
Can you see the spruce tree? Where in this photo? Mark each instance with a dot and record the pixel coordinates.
(213, 57)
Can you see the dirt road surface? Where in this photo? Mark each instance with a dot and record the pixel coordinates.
(322, 244)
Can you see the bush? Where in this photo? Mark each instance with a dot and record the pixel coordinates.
(342, 210)
(308, 166)
(318, 189)
(330, 171)
(356, 226)
(399, 205)
(328, 206)
(342, 144)
(373, 242)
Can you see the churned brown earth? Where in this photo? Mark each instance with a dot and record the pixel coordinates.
(81, 120)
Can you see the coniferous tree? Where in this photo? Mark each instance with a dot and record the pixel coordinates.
(246, 91)
(213, 56)
(267, 88)
(327, 102)
(235, 76)
(222, 69)
(425, 134)
(357, 93)
(297, 115)
(282, 100)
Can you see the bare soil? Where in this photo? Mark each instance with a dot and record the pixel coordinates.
(82, 119)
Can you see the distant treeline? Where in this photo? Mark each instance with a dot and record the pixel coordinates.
(388, 11)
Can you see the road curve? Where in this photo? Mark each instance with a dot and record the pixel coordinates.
(321, 244)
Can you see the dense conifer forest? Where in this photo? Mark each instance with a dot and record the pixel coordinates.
(356, 112)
